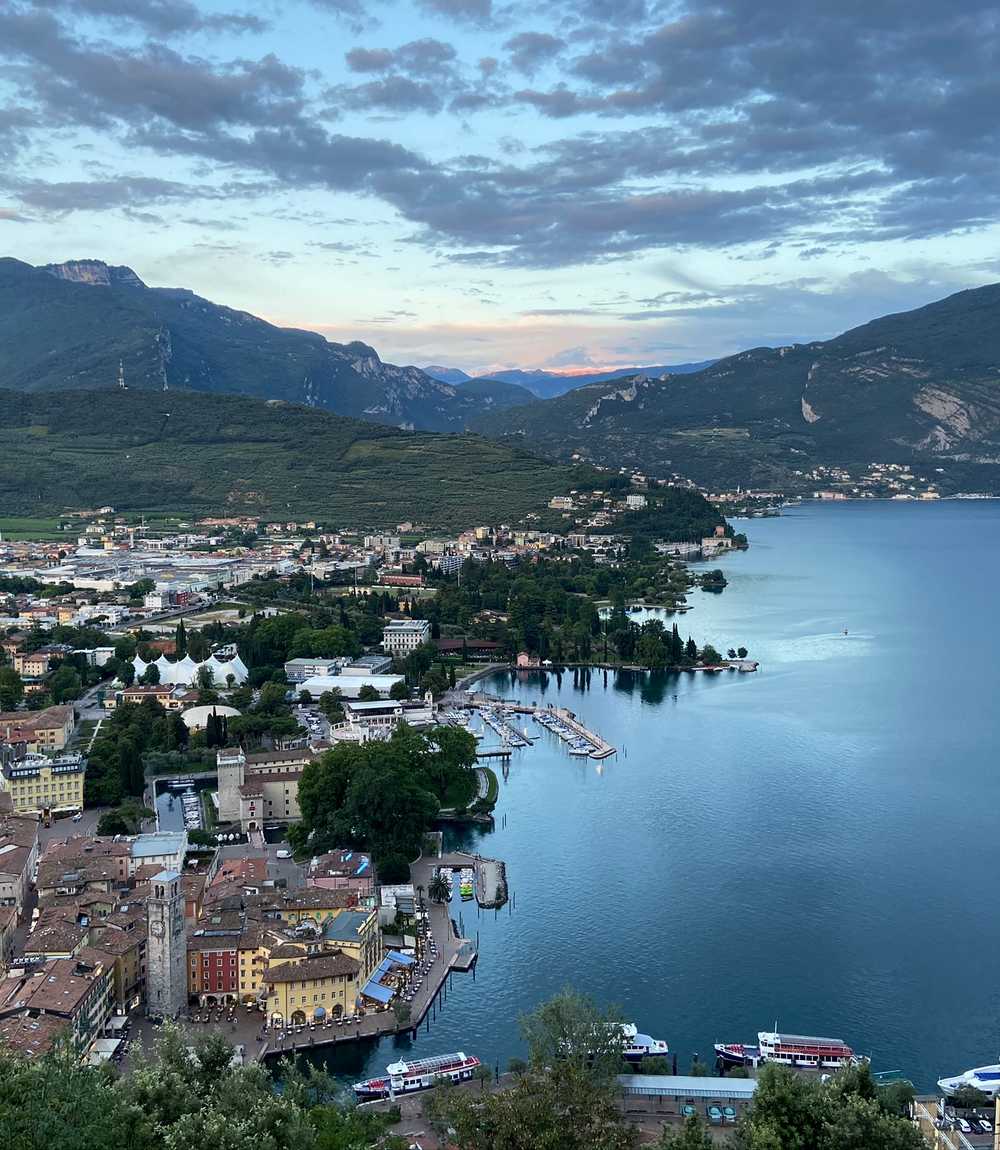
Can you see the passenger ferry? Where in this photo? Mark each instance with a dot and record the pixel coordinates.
(984, 1078)
(639, 1046)
(798, 1050)
(422, 1074)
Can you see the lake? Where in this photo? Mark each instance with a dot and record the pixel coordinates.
(815, 844)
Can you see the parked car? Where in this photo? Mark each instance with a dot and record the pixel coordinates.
(963, 1126)
(284, 854)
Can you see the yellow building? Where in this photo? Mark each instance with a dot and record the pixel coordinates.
(315, 905)
(316, 987)
(356, 933)
(42, 786)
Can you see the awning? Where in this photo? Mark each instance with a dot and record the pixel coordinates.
(319, 1012)
(375, 989)
(396, 959)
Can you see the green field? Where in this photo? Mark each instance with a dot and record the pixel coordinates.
(33, 529)
(191, 454)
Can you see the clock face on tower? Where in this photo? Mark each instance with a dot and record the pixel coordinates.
(157, 928)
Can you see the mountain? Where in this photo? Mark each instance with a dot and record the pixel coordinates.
(453, 375)
(143, 450)
(920, 388)
(496, 394)
(70, 325)
(548, 384)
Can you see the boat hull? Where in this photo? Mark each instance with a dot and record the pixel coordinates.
(735, 1054)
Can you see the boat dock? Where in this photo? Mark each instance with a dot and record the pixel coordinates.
(455, 955)
(560, 720)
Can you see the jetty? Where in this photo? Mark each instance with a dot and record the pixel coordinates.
(560, 720)
(455, 955)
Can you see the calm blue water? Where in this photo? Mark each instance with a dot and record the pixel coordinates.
(815, 844)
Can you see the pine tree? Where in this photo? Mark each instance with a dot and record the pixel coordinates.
(180, 640)
(691, 650)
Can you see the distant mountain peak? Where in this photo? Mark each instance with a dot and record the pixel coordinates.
(95, 272)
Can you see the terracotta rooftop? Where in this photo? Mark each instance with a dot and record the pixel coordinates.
(335, 965)
(31, 1037)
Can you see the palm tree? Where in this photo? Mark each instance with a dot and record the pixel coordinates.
(438, 889)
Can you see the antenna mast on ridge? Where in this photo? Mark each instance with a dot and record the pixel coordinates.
(121, 376)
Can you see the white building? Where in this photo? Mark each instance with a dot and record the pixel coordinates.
(349, 686)
(165, 849)
(401, 636)
(635, 502)
(298, 670)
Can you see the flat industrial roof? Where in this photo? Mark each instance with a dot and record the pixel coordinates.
(688, 1086)
(160, 843)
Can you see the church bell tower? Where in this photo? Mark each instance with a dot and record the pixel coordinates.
(166, 948)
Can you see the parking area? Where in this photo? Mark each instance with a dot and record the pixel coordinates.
(314, 721)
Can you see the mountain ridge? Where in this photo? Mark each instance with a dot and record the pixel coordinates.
(70, 325)
(549, 384)
(919, 387)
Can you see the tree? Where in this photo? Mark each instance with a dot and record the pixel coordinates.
(437, 891)
(124, 820)
(691, 650)
(205, 679)
(150, 677)
(709, 656)
(65, 684)
(691, 1136)
(11, 689)
(368, 694)
(399, 691)
(180, 640)
(565, 1100)
(331, 705)
(844, 1113)
(968, 1098)
(742, 652)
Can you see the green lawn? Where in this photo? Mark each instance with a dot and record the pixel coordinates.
(33, 529)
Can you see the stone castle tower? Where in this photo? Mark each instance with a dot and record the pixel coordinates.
(166, 947)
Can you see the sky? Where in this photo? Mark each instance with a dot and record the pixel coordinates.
(572, 185)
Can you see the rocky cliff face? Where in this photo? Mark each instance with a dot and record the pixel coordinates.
(920, 387)
(93, 272)
(58, 332)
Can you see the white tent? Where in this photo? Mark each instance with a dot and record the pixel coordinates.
(184, 673)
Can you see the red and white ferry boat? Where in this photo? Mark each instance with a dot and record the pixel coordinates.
(801, 1051)
(421, 1074)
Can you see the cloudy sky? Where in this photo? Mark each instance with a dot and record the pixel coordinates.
(566, 184)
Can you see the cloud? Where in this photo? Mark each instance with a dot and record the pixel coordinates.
(727, 126)
(571, 357)
(527, 51)
(79, 83)
(392, 94)
(475, 12)
(160, 17)
(427, 57)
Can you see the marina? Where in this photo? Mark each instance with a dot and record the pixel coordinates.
(500, 716)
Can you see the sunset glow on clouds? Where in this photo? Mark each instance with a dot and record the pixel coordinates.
(570, 185)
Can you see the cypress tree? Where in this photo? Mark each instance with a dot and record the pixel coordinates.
(180, 640)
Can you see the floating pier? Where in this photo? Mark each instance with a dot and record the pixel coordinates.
(560, 720)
